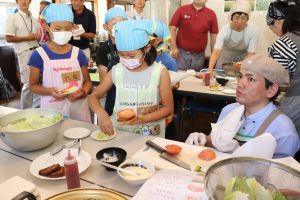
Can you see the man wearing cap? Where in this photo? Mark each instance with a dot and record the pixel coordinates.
(23, 30)
(107, 56)
(193, 22)
(258, 86)
(236, 40)
(83, 18)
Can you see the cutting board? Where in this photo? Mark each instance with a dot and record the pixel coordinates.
(189, 154)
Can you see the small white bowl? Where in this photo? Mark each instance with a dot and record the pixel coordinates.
(145, 168)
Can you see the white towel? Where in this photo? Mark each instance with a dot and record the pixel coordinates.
(223, 131)
(262, 146)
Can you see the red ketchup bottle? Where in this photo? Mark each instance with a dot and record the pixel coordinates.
(71, 171)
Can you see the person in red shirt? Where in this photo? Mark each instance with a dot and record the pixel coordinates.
(193, 22)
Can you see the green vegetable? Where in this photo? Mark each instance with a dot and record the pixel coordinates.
(197, 168)
(278, 196)
(101, 136)
(240, 188)
(32, 122)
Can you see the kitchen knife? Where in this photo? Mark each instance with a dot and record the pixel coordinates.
(167, 156)
(56, 150)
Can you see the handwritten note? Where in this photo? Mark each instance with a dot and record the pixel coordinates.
(70, 76)
(173, 185)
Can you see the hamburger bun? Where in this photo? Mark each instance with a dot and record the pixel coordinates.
(125, 115)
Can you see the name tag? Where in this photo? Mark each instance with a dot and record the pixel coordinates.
(70, 77)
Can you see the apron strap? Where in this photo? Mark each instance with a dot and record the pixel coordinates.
(75, 51)
(156, 75)
(265, 124)
(118, 75)
(43, 53)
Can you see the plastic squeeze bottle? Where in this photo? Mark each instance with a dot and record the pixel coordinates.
(71, 171)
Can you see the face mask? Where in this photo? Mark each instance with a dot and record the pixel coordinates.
(131, 63)
(61, 37)
(112, 31)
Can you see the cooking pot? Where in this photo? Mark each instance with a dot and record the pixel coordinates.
(229, 69)
(30, 140)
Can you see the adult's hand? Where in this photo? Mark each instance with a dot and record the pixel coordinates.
(196, 139)
(175, 53)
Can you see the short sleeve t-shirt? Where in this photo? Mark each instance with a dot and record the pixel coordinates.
(193, 27)
(250, 34)
(37, 61)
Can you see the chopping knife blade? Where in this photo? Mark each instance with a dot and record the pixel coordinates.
(56, 150)
(167, 156)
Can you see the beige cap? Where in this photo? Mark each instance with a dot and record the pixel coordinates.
(268, 68)
(240, 6)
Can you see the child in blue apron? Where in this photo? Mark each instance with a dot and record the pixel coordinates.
(58, 65)
(140, 83)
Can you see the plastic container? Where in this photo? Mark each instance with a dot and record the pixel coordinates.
(207, 79)
(71, 171)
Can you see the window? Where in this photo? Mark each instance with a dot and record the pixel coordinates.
(7, 7)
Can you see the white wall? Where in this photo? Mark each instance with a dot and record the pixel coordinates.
(266, 36)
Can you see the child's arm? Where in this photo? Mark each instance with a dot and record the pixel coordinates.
(86, 86)
(165, 91)
(35, 87)
(104, 121)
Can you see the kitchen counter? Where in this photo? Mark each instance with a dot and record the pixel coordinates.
(14, 162)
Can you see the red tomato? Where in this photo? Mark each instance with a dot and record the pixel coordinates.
(207, 155)
(173, 149)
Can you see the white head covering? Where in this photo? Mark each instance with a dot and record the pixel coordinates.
(240, 6)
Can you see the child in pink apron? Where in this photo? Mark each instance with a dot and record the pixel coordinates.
(58, 65)
(140, 82)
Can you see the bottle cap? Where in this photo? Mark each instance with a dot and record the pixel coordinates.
(70, 159)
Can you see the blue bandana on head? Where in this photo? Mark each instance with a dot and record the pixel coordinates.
(114, 12)
(57, 12)
(161, 30)
(134, 34)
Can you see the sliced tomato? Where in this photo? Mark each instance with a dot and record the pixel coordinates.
(173, 149)
(207, 155)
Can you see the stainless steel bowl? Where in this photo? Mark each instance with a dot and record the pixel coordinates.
(269, 174)
(33, 139)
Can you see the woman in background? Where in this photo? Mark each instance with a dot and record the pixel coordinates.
(286, 51)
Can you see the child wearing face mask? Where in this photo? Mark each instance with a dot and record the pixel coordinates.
(58, 65)
(140, 82)
(107, 55)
